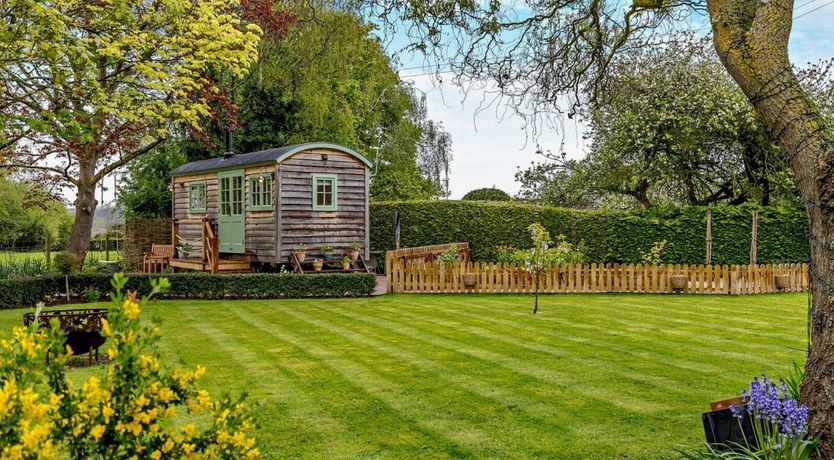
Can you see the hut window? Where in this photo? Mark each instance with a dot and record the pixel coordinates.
(260, 192)
(197, 197)
(324, 192)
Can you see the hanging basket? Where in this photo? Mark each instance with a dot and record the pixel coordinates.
(469, 280)
(678, 282)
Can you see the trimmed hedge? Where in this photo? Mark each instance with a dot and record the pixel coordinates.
(609, 236)
(26, 292)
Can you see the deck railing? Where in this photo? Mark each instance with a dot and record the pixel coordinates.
(210, 251)
(486, 277)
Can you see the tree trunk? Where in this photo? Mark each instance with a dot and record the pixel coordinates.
(85, 209)
(751, 38)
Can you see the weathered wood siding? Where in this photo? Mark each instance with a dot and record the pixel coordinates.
(189, 223)
(300, 224)
(260, 225)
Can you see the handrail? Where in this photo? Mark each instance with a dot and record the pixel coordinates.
(210, 246)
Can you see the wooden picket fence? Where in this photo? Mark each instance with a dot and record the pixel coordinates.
(485, 277)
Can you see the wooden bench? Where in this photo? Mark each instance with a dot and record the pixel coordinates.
(158, 259)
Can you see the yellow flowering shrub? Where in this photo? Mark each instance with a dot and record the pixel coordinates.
(137, 409)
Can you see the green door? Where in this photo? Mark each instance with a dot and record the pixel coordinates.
(232, 221)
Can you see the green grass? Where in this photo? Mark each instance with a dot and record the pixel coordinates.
(408, 376)
(39, 255)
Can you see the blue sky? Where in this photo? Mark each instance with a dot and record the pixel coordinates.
(489, 148)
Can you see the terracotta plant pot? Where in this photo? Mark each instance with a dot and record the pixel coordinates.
(317, 265)
(346, 267)
(678, 282)
(301, 256)
(469, 280)
(782, 281)
(354, 255)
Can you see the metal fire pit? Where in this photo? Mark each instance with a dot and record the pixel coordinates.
(81, 328)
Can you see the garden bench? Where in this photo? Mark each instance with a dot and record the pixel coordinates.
(158, 259)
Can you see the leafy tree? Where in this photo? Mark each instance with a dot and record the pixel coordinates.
(548, 56)
(145, 193)
(698, 141)
(328, 79)
(87, 87)
(487, 194)
(30, 211)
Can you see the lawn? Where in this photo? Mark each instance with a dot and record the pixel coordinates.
(13, 256)
(409, 376)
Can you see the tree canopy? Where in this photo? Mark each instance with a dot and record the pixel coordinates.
(87, 87)
(487, 194)
(328, 78)
(670, 127)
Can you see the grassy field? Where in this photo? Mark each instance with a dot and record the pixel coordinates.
(6, 256)
(407, 376)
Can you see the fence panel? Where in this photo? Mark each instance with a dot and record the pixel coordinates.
(488, 277)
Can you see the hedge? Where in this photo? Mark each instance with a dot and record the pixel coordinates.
(609, 236)
(26, 292)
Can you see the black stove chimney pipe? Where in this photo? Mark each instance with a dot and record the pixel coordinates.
(228, 140)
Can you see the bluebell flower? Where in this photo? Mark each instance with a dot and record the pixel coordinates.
(771, 403)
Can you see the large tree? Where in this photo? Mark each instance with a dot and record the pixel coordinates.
(85, 87)
(670, 127)
(328, 78)
(542, 56)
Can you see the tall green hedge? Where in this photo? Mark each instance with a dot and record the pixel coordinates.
(608, 236)
(26, 292)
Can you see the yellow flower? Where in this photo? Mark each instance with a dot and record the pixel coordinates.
(131, 308)
(97, 432)
(105, 328)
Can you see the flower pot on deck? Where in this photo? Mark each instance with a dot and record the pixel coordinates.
(678, 282)
(782, 281)
(301, 256)
(354, 255)
(317, 264)
(346, 266)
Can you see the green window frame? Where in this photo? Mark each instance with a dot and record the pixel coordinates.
(197, 197)
(260, 192)
(325, 192)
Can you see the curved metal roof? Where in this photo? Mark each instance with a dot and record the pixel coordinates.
(275, 155)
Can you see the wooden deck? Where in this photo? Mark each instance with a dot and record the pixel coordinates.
(197, 263)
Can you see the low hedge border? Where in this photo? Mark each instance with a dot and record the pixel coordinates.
(26, 292)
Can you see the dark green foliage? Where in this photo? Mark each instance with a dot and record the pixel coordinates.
(487, 194)
(145, 194)
(27, 292)
(608, 235)
(65, 263)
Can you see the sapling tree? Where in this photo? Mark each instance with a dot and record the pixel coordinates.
(541, 258)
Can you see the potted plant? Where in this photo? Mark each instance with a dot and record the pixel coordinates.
(327, 251)
(346, 263)
(183, 250)
(355, 247)
(317, 264)
(301, 252)
(678, 282)
(783, 281)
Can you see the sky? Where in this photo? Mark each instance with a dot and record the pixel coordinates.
(489, 147)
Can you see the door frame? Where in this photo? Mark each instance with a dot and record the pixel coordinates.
(232, 221)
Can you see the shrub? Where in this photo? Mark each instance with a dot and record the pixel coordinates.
(26, 292)
(65, 263)
(487, 194)
(137, 408)
(608, 235)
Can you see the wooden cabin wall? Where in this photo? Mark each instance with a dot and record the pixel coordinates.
(190, 229)
(260, 225)
(298, 223)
